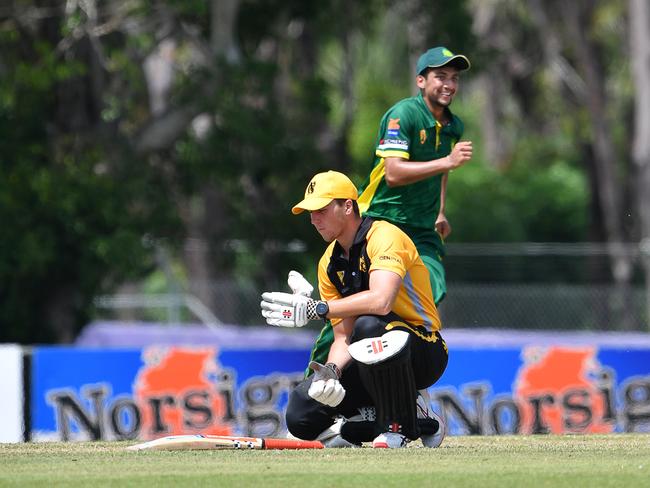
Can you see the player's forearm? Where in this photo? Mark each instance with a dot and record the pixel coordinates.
(338, 353)
(400, 172)
(367, 302)
(443, 193)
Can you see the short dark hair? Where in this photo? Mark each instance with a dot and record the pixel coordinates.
(426, 71)
(355, 205)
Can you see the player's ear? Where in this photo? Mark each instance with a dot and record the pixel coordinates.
(420, 80)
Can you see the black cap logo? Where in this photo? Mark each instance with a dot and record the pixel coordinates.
(310, 188)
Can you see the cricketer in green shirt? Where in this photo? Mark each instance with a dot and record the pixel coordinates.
(420, 130)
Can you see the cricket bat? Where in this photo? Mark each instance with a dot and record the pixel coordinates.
(201, 441)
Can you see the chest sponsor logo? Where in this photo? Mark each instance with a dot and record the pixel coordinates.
(423, 136)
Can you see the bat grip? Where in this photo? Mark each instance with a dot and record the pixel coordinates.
(291, 444)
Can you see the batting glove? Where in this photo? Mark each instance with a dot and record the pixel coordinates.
(325, 385)
(287, 310)
(299, 285)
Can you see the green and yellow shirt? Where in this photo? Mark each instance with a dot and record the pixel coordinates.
(409, 131)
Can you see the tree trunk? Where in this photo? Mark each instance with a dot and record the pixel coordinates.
(640, 55)
(610, 185)
(492, 83)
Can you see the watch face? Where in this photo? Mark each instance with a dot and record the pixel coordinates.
(322, 309)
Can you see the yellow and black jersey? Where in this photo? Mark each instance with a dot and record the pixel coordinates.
(380, 245)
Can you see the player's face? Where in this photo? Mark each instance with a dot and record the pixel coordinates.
(439, 86)
(329, 220)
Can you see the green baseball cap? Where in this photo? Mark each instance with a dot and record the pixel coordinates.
(436, 57)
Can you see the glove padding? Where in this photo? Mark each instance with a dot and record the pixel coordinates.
(325, 385)
(287, 310)
(299, 285)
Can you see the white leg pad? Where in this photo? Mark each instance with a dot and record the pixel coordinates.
(374, 350)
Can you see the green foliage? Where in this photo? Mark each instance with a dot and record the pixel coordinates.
(76, 202)
(72, 218)
(258, 157)
(525, 203)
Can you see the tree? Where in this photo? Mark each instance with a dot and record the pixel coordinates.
(561, 65)
(639, 12)
(75, 202)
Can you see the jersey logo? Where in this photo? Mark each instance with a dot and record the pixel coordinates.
(393, 127)
(363, 266)
(340, 274)
(377, 346)
(423, 136)
(385, 257)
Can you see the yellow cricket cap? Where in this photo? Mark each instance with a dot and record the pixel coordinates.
(323, 188)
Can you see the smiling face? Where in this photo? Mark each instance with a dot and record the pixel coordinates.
(330, 221)
(438, 86)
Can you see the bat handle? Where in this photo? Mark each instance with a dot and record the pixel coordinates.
(291, 444)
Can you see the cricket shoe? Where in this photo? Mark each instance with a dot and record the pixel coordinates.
(358, 429)
(425, 412)
(331, 437)
(390, 440)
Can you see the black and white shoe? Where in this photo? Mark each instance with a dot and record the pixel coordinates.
(425, 412)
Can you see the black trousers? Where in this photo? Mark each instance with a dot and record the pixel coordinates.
(306, 418)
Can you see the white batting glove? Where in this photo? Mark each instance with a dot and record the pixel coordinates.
(325, 385)
(287, 310)
(299, 285)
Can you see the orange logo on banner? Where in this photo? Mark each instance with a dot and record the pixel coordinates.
(557, 377)
(176, 389)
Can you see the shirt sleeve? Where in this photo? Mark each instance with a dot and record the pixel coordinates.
(394, 135)
(390, 249)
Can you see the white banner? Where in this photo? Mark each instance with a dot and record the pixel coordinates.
(11, 391)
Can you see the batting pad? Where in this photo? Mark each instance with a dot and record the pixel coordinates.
(375, 350)
(391, 385)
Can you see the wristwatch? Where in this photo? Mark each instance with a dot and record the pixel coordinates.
(322, 309)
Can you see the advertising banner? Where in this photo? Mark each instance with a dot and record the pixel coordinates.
(11, 387)
(546, 389)
(163, 390)
(154, 391)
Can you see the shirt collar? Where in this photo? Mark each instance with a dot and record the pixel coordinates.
(359, 237)
(431, 121)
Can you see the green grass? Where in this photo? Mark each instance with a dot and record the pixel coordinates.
(508, 461)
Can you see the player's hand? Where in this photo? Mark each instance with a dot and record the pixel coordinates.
(460, 154)
(299, 285)
(287, 310)
(325, 385)
(442, 226)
